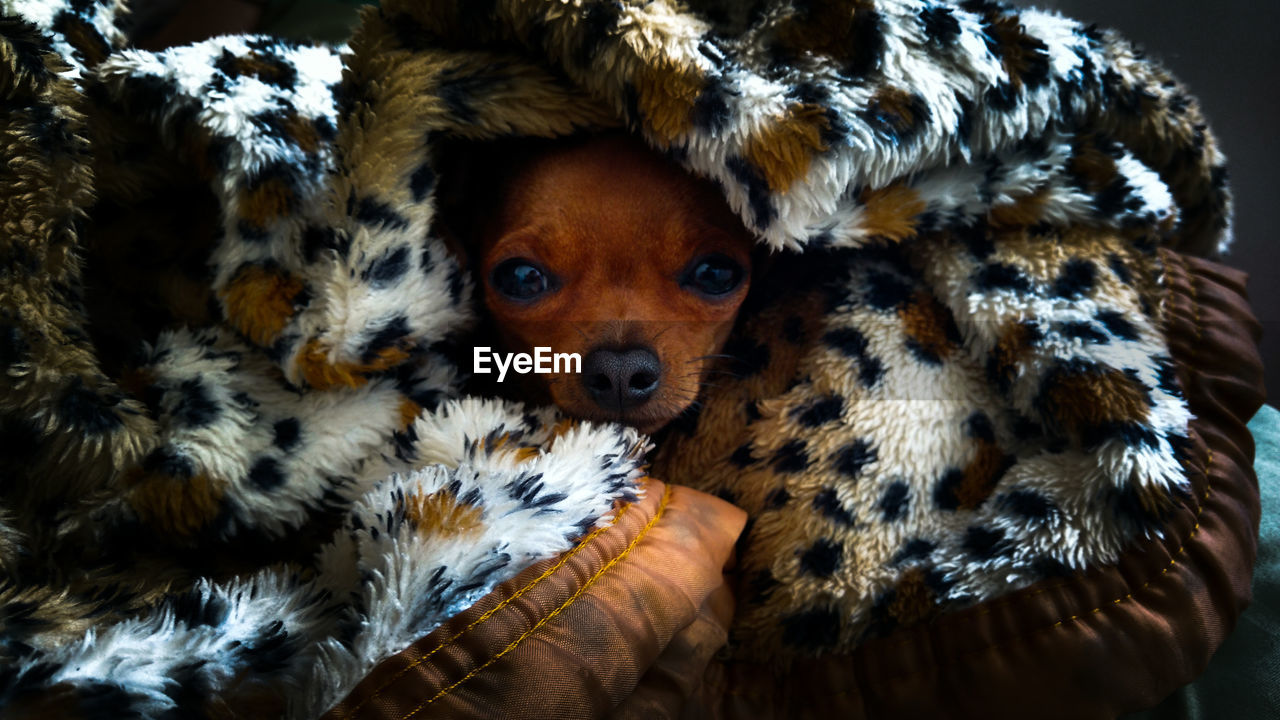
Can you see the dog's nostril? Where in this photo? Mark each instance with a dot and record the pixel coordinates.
(642, 381)
(620, 379)
(599, 382)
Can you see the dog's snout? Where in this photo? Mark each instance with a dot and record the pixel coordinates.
(618, 380)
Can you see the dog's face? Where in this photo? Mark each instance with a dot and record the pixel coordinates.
(608, 250)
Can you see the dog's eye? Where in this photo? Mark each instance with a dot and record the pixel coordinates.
(714, 275)
(519, 279)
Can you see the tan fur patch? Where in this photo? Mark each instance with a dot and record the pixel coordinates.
(824, 30)
(1016, 49)
(526, 454)
(1014, 343)
(896, 107)
(303, 132)
(666, 95)
(1026, 210)
(265, 202)
(409, 411)
(1089, 163)
(259, 302)
(925, 321)
(980, 476)
(253, 65)
(1088, 399)
(891, 212)
(784, 150)
(178, 506)
(316, 370)
(913, 600)
(439, 514)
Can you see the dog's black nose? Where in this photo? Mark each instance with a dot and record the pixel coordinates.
(621, 379)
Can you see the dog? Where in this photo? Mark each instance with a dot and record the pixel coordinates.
(602, 247)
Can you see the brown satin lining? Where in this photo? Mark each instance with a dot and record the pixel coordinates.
(572, 637)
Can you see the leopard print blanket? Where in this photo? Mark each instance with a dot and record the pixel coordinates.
(239, 467)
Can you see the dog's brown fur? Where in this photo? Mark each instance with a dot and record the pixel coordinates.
(619, 227)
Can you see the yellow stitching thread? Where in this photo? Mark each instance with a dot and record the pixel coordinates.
(662, 507)
(488, 614)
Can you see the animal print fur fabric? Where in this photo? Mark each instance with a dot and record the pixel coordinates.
(239, 467)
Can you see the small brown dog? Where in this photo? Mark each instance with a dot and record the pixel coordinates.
(600, 246)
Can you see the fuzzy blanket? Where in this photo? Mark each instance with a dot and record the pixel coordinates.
(239, 468)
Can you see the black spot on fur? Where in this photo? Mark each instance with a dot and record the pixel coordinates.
(984, 543)
(711, 108)
(742, 456)
(86, 410)
(791, 458)
(1121, 270)
(897, 124)
(851, 459)
(456, 283)
(267, 474)
(287, 433)
(820, 411)
(393, 333)
(979, 426)
(1001, 276)
(1116, 198)
(822, 558)
(13, 346)
(195, 608)
(21, 440)
(758, 193)
(886, 291)
(895, 501)
(811, 630)
(372, 212)
(1167, 377)
(388, 269)
(940, 26)
(598, 22)
(776, 498)
(977, 239)
(271, 649)
(251, 233)
(318, 240)
(1028, 504)
(1086, 331)
(195, 407)
(914, 549)
(867, 42)
(853, 344)
(1076, 279)
(422, 181)
(1001, 97)
(944, 492)
(1117, 324)
(265, 67)
(760, 586)
(1132, 434)
(827, 502)
(168, 460)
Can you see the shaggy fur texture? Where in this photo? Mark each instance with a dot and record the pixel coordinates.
(237, 468)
